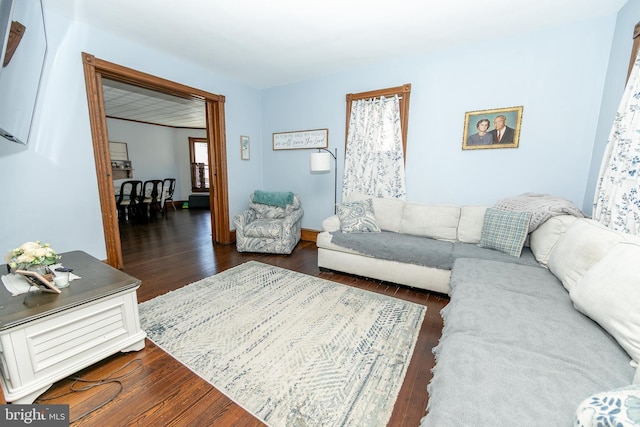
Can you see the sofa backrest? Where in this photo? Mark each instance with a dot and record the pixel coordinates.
(471, 223)
(434, 221)
(388, 212)
(545, 237)
(442, 222)
(585, 242)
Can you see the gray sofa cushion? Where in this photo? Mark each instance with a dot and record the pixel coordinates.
(514, 351)
(469, 250)
(421, 250)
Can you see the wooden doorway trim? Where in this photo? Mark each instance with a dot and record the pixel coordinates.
(94, 70)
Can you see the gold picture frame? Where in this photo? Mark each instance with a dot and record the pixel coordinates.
(480, 128)
(245, 147)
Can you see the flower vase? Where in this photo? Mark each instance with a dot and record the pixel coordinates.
(38, 268)
(42, 270)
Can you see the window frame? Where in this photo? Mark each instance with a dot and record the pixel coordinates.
(403, 92)
(192, 161)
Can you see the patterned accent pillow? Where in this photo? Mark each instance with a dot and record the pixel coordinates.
(505, 231)
(620, 407)
(357, 217)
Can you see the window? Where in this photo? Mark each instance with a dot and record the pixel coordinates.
(376, 142)
(403, 92)
(199, 156)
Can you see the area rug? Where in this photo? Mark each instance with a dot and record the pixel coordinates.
(292, 349)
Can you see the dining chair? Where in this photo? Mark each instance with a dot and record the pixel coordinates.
(169, 186)
(127, 202)
(152, 191)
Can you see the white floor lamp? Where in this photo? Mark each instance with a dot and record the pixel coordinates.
(321, 162)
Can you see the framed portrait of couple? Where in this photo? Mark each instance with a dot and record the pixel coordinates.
(496, 128)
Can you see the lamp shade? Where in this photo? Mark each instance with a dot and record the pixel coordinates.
(320, 162)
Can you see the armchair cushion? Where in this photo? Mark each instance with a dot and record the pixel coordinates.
(269, 228)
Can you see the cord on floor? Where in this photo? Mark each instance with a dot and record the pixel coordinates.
(109, 379)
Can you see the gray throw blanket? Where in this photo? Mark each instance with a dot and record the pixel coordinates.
(422, 250)
(541, 206)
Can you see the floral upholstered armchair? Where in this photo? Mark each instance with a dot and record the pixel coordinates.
(271, 224)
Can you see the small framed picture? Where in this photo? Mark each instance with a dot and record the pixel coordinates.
(38, 280)
(245, 147)
(496, 128)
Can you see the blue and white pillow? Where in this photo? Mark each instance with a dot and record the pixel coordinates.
(357, 217)
(505, 231)
(620, 407)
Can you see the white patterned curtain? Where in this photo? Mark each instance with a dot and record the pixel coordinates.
(617, 196)
(374, 159)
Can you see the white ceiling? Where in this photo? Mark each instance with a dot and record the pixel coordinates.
(266, 43)
(147, 106)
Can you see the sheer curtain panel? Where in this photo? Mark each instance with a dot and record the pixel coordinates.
(374, 156)
(617, 198)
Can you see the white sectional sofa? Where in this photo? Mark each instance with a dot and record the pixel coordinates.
(460, 227)
(549, 337)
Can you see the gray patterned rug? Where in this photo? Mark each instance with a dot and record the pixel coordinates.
(292, 349)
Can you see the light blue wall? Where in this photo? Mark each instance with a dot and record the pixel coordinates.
(50, 186)
(616, 77)
(556, 74)
(559, 75)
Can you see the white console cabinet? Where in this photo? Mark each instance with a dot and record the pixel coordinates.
(45, 337)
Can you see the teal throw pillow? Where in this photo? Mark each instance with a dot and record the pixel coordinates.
(505, 231)
(358, 217)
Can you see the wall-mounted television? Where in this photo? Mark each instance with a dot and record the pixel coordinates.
(6, 11)
(20, 78)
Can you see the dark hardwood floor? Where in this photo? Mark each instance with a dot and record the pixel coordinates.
(156, 390)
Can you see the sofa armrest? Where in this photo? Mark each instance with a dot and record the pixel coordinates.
(331, 224)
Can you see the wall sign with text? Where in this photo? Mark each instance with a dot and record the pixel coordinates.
(301, 139)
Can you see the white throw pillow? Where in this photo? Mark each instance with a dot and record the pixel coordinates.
(583, 244)
(609, 293)
(435, 221)
(470, 224)
(545, 237)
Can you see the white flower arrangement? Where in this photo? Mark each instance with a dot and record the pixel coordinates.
(29, 254)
